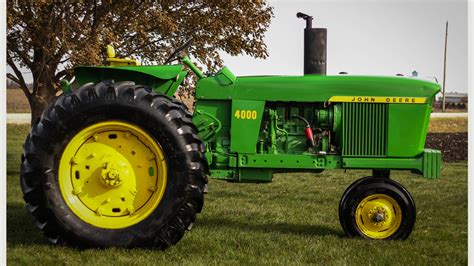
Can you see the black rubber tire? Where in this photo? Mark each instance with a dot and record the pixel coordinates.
(162, 117)
(367, 186)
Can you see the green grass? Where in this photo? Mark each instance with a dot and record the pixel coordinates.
(292, 220)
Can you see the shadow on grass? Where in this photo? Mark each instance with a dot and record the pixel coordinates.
(20, 227)
(284, 228)
(22, 231)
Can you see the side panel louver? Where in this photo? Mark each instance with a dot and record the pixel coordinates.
(364, 129)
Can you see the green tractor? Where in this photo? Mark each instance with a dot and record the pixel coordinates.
(119, 162)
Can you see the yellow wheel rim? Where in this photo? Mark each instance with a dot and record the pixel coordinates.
(378, 216)
(112, 174)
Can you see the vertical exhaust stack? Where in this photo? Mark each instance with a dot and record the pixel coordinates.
(314, 47)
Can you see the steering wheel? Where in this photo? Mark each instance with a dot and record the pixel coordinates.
(173, 56)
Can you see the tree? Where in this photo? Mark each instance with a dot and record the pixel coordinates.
(50, 37)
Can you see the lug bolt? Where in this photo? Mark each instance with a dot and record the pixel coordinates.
(77, 191)
(96, 137)
(127, 135)
(74, 160)
(152, 188)
(133, 191)
(99, 211)
(130, 210)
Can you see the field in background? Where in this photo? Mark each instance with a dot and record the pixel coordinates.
(448, 125)
(17, 102)
(439, 110)
(292, 220)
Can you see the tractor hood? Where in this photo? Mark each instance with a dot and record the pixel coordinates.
(315, 88)
(312, 88)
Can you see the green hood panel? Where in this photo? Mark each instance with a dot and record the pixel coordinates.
(314, 88)
(321, 88)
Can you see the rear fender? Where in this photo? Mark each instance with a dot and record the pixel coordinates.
(164, 79)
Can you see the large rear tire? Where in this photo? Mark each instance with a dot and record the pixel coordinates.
(114, 164)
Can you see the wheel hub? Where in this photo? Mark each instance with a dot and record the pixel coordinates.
(111, 176)
(378, 216)
(116, 174)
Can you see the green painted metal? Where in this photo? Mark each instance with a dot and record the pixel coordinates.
(246, 118)
(187, 61)
(163, 79)
(212, 119)
(368, 135)
(337, 123)
(65, 86)
(273, 117)
(254, 175)
(407, 129)
(315, 88)
(432, 163)
(252, 126)
(364, 129)
(228, 175)
(290, 161)
(428, 164)
(225, 76)
(208, 125)
(383, 163)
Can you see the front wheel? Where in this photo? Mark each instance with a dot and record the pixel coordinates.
(377, 208)
(114, 164)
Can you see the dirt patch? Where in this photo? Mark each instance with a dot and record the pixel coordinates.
(452, 145)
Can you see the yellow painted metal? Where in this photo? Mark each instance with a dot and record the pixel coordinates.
(110, 51)
(112, 174)
(115, 61)
(376, 99)
(378, 216)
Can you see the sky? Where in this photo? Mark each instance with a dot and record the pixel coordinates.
(368, 37)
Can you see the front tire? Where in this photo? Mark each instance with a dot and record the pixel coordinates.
(114, 164)
(377, 208)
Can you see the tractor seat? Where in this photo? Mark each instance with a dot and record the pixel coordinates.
(115, 61)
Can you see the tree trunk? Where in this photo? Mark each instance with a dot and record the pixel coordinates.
(45, 94)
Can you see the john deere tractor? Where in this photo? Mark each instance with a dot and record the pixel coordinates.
(118, 161)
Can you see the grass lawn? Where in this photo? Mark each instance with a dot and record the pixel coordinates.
(289, 221)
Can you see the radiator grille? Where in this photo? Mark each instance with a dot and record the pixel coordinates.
(364, 129)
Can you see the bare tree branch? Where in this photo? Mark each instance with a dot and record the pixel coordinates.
(13, 78)
(19, 77)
